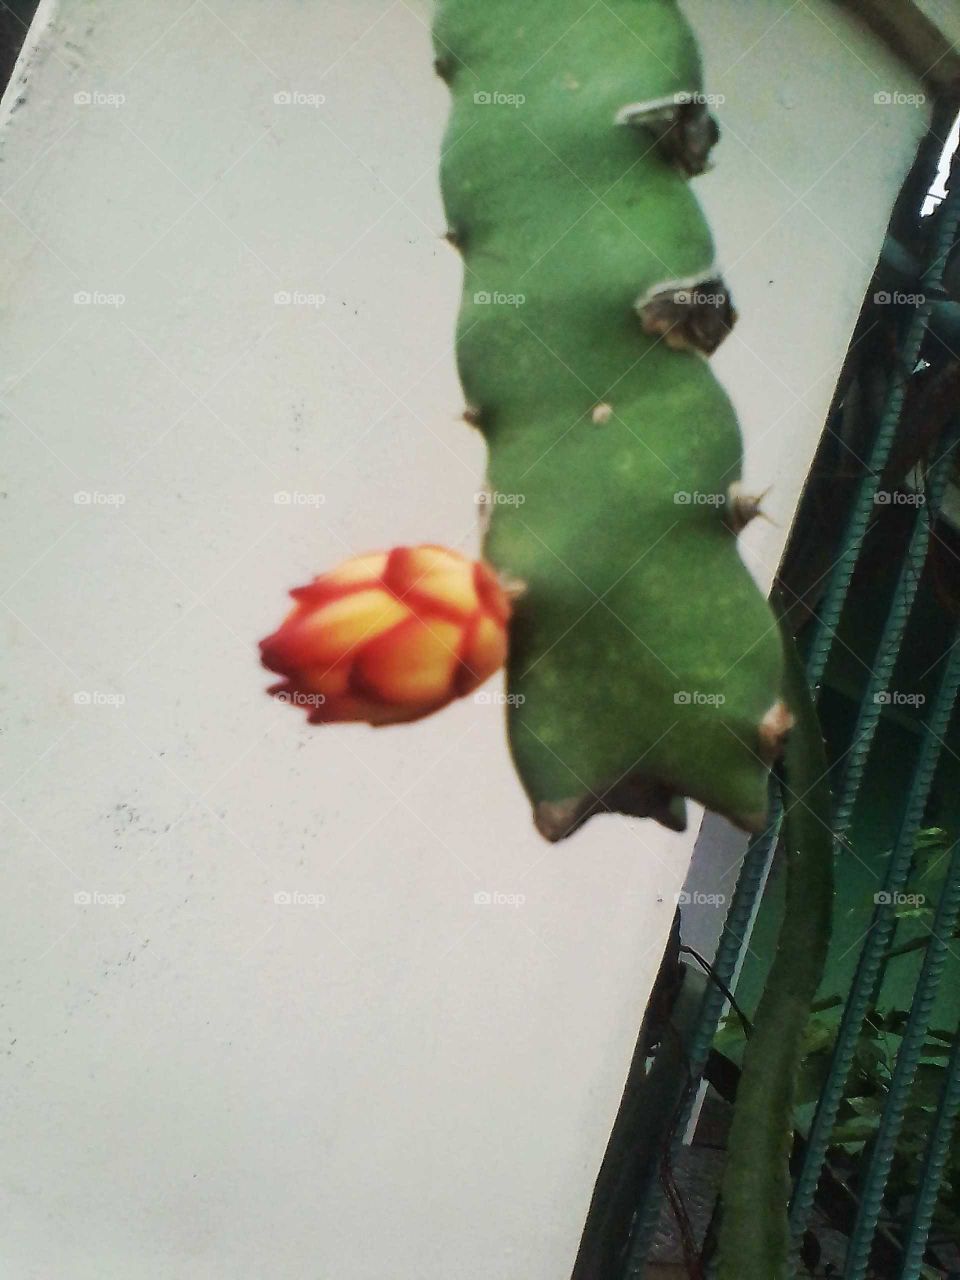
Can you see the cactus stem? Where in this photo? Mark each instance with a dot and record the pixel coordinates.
(691, 314)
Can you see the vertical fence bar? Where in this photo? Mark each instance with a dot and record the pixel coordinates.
(936, 726)
(911, 1049)
(760, 849)
(888, 649)
(828, 615)
(935, 1159)
(877, 942)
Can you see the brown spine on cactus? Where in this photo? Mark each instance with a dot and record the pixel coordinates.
(742, 507)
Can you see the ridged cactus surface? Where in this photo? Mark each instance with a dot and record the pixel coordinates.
(645, 665)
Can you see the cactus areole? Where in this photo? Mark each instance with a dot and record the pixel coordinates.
(647, 661)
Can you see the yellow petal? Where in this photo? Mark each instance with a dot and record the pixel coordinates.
(414, 664)
(443, 575)
(338, 629)
(359, 569)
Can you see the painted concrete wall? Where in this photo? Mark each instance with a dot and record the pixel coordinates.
(380, 1077)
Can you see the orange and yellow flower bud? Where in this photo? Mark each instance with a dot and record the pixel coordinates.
(390, 637)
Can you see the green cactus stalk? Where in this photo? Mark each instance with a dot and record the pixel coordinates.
(645, 665)
(755, 1229)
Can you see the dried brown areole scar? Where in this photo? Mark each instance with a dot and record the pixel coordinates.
(638, 796)
(683, 129)
(688, 315)
(773, 731)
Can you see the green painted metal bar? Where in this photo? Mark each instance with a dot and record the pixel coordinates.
(934, 1163)
(874, 947)
(888, 648)
(877, 942)
(911, 1049)
(759, 851)
(828, 615)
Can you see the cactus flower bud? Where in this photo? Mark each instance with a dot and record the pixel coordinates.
(390, 637)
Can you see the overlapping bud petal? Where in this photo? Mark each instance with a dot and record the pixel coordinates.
(390, 637)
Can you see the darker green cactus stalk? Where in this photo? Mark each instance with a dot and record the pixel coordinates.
(645, 664)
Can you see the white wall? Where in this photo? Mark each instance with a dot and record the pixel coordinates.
(397, 1082)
